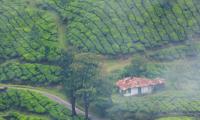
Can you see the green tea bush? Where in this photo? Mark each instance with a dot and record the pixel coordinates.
(122, 27)
(27, 73)
(107, 27)
(152, 106)
(28, 33)
(32, 102)
(176, 52)
(141, 67)
(18, 116)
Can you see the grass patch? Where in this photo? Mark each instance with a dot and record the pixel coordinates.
(52, 90)
(176, 118)
(108, 65)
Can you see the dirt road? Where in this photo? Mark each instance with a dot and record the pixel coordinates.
(56, 99)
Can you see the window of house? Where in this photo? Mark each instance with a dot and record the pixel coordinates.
(139, 90)
(129, 90)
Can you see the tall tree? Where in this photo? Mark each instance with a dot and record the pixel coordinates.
(70, 78)
(85, 67)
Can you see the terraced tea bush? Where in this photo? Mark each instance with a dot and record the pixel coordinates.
(34, 103)
(28, 33)
(19, 116)
(141, 67)
(122, 27)
(30, 36)
(34, 74)
(177, 118)
(176, 52)
(106, 27)
(146, 107)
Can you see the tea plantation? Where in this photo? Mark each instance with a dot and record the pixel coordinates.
(31, 103)
(122, 27)
(39, 38)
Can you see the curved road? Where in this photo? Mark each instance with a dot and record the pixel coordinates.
(56, 99)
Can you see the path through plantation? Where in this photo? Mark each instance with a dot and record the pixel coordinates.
(55, 98)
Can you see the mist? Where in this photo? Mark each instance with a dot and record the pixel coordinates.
(184, 74)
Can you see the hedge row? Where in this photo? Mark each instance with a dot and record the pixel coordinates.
(176, 52)
(28, 33)
(114, 27)
(107, 27)
(149, 107)
(27, 73)
(19, 116)
(33, 102)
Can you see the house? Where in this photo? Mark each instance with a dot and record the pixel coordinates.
(131, 86)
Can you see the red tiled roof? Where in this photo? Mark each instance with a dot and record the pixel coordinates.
(134, 82)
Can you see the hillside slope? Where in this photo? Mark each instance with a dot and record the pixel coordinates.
(122, 27)
(36, 37)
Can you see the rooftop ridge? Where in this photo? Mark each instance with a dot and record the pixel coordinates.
(134, 82)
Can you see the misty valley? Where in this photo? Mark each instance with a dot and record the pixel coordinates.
(99, 60)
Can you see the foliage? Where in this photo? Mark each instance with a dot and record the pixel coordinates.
(32, 102)
(34, 35)
(177, 118)
(150, 107)
(140, 67)
(18, 116)
(83, 74)
(101, 99)
(27, 73)
(28, 33)
(122, 27)
(30, 50)
(177, 52)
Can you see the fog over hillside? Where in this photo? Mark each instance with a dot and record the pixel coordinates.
(62, 59)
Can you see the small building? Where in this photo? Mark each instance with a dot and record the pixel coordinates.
(131, 86)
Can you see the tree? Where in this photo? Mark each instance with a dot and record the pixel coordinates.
(140, 67)
(70, 78)
(101, 100)
(85, 71)
(137, 67)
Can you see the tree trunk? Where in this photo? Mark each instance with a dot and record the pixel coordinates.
(86, 105)
(73, 103)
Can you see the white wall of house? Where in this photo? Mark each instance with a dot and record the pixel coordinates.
(135, 91)
(145, 90)
(127, 92)
(130, 92)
